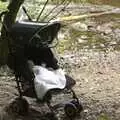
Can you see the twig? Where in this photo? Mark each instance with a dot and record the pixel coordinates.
(25, 11)
(42, 10)
(59, 11)
(52, 10)
(70, 18)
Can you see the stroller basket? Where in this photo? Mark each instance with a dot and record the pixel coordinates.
(34, 34)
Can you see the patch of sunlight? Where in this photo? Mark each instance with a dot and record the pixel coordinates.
(3, 6)
(63, 45)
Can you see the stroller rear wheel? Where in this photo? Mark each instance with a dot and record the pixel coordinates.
(20, 106)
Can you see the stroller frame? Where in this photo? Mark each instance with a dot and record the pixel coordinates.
(71, 108)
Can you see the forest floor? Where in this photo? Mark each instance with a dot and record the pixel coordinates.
(97, 86)
(97, 75)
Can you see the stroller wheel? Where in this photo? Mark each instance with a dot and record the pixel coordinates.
(20, 106)
(70, 110)
(78, 106)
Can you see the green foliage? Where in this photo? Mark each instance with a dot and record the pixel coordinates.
(2, 6)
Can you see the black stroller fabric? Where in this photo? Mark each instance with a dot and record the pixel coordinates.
(34, 34)
(23, 51)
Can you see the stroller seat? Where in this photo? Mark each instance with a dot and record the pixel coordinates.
(30, 91)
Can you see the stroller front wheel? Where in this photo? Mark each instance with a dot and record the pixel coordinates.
(70, 110)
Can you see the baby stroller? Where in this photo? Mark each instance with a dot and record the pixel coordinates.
(33, 48)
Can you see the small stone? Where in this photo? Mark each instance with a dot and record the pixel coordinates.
(86, 111)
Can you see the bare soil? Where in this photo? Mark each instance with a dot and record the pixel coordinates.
(97, 86)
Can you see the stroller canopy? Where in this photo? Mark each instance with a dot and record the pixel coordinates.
(33, 33)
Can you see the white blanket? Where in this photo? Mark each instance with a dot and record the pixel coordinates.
(46, 80)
